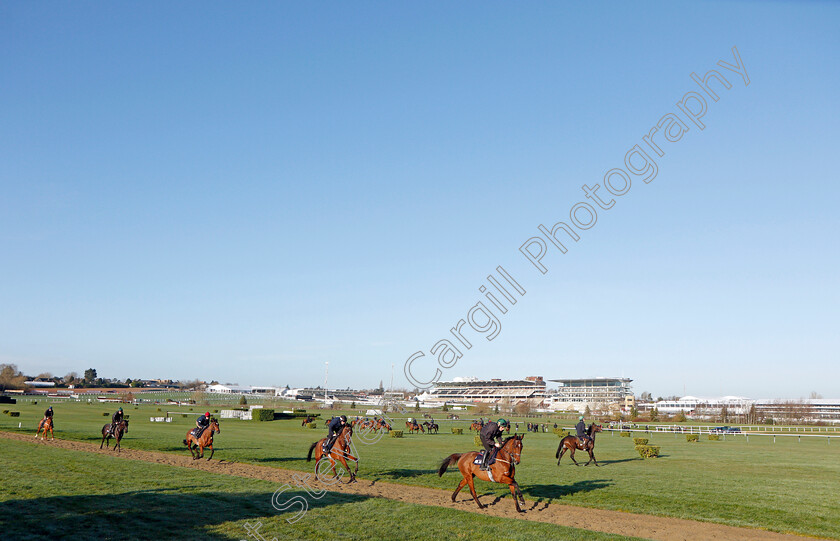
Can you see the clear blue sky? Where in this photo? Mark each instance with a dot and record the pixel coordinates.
(244, 192)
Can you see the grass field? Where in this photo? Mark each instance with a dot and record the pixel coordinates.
(787, 486)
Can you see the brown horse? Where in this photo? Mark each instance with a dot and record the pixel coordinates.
(306, 420)
(120, 429)
(340, 452)
(203, 441)
(431, 426)
(45, 424)
(414, 427)
(571, 443)
(477, 426)
(501, 471)
(382, 425)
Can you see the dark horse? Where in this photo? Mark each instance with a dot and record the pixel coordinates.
(571, 443)
(501, 471)
(431, 426)
(340, 452)
(119, 429)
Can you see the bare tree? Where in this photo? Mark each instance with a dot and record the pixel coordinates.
(11, 377)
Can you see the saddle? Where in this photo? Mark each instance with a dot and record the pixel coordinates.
(480, 457)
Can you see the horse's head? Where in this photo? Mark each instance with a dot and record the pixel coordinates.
(125, 422)
(513, 445)
(593, 428)
(214, 425)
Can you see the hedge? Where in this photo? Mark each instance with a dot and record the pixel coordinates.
(640, 441)
(262, 414)
(296, 410)
(561, 433)
(5, 412)
(396, 433)
(14, 414)
(457, 430)
(105, 414)
(648, 451)
(311, 425)
(477, 440)
(714, 437)
(624, 434)
(692, 437)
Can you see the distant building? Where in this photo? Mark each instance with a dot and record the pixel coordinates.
(228, 389)
(598, 393)
(493, 391)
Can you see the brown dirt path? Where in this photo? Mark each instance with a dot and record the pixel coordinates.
(616, 522)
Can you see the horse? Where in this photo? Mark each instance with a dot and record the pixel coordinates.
(477, 426)
(45, 424)
(120, 429)
(571, 443)
(340, 452)
(414, 427)
(381, 424)
(431, 426)
(203, 441)
(501, 471)
(308, 419)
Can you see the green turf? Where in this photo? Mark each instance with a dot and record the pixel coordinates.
(51, 493)
(787, 486)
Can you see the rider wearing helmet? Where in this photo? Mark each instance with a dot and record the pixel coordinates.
(201, 424)
(335, 427)
(488, 433)
(580, 430)
(116, 419)
(47, 415)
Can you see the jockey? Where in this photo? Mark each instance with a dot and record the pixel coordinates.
(47, 415)
(335, 427)
(116, 419)
(201, 424)
(580, 429)
(488, 433)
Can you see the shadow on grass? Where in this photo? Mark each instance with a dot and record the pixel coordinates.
(399, 473)
(149, 514)
(606, 462)
(559, 490)
(279, 459)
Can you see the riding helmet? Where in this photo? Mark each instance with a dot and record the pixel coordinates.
(344, 418)
(207, 414)
(503, 422)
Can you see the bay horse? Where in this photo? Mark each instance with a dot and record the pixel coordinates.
(306, 420)
(414, 427)
(381, 424)
(197, 445)
(120, 429)
(339, 452)
(477, 426)
(45, 424)
(501, 471)
(570, 443)
(431, 426)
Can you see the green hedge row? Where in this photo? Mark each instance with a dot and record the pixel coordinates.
(561, 433)
(457, 430)
(640, 441)
(477, 441)
(714, 437)
(14, 414)
(311, 425)
(262, 414)
(396, 433)
(692, 437)
(624, 434)
(648, 451)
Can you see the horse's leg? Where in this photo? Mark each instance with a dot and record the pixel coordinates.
(460, 486)
(572, 456)
(563, 450)
(514, 492)
(471, 483)
(211, 450)
(592, 456)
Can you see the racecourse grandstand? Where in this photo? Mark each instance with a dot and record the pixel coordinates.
(493, 391)
(598, 393)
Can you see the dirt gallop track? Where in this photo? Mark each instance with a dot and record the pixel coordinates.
(628, 524)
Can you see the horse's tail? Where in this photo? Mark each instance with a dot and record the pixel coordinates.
(448, 461)
(311, 448)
